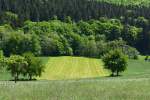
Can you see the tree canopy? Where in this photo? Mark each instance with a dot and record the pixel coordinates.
(84, 38)
(115, 61)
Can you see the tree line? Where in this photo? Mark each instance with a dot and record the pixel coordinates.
(39, 10)
(26, 65)
(92, 38)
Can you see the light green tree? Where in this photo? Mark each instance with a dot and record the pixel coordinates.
(35, 66)
(17, 66)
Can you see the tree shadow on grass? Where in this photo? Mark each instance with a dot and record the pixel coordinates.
(22, 79)
(114, 76)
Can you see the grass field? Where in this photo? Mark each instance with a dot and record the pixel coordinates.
(59, 68)
(133, 85)
(88, 89)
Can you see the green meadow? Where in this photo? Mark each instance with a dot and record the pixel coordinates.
(60, 68)
(79, 78)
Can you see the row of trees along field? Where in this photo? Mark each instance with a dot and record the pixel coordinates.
(39, 10)
(91, 38)
(27, 65)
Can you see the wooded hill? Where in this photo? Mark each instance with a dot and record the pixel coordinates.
(37, 10)
(72, 27)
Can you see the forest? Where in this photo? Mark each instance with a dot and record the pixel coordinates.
(92, 38)
(39, 10)
(82, 28)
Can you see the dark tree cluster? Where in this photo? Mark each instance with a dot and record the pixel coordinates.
(39, 10)
(91, 38)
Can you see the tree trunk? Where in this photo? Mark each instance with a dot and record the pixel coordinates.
(16, 78)
(112, 74)
(117, 73)
(30, 77)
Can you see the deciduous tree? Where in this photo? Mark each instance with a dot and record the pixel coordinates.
(115, 61)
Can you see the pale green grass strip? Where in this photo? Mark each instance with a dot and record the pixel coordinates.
(60, 68)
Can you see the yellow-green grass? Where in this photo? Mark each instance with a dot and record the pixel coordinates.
(61, 68)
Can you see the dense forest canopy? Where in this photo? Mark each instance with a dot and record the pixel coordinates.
(39, 10)
(73, 27)
(91, 38)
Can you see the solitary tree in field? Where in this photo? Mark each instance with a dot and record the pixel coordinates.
(17, 66)
(115, 61)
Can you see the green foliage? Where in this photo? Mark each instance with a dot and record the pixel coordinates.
(16, 42)
(131, 52)
(85, 28)
(68, 19)
(92, 38)
(26, 65)
(55, 38)
(9, 18)
(40, 10)
(142, 22)
(17, 66)
(131, 34)
(115, 61)
(1, 54)
(1, 58)
(146, 58)
(35, 66)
